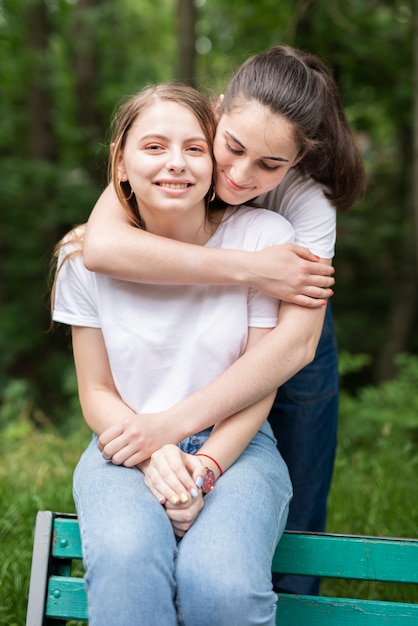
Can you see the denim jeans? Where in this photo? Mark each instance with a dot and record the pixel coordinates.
(304, 420)
(139, 573)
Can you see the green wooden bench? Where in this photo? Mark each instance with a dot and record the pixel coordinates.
(57, 594)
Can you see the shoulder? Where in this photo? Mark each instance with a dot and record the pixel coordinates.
(71, 245)
(302, 201)
(296, 192)
(260, 218)
(249, 228)
(70, 257)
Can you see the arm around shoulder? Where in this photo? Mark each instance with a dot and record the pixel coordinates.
(114, 246)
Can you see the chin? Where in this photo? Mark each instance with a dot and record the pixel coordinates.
(228, 196)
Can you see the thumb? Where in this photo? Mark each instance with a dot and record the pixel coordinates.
(305, 253)
(197, 470)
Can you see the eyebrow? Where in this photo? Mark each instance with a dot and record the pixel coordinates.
(270, 158)
(166, 138)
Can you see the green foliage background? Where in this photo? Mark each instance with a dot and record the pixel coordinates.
(368, 44)
(43, 192)
(373, 490)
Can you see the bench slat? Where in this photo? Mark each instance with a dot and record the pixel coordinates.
(337, 556)
(321, 611)
(66, 598)
(66, 542)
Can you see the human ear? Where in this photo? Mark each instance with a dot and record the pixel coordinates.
(122, 175)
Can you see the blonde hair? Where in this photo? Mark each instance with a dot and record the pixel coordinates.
(125, 117)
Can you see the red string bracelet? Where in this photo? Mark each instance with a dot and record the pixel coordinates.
(213, 461)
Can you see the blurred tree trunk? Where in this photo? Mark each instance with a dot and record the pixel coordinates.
(186, 33)
(404, 308)
(85, 60)
(41, 144)
(86, 51)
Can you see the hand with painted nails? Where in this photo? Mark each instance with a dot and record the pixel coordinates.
(182, 516)
(299, 277)
(174, 476)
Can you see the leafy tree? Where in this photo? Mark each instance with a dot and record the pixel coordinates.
(64, 64)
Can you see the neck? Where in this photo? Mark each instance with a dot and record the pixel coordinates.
(189, 226)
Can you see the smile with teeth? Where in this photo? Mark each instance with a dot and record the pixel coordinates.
(174, 185)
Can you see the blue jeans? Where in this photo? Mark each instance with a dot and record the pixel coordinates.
(139, 573)
(304, 420)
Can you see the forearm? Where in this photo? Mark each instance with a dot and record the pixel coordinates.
(100, 401)
(102, 409)
(229, 438)
(113, 246)
(265, 367)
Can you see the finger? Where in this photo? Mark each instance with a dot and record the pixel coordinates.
(171, 496)
(137, 457)
(165, 481)
(184, 512)
(197, 471)
(115, 446)
(304, 253)
(319, 269)
(129, 456)
(320, 293)
(177, 469)
(183, 518)
(108, 435)
(159, 496)
(307, 302)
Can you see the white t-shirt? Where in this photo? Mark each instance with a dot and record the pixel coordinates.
(302, 201)
(166, 341)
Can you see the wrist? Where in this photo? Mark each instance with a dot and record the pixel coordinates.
(176, 423)
(224, 267)
(143, 466)
(240, 268)
(211, 464)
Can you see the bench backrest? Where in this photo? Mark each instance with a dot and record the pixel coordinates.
(57, 594)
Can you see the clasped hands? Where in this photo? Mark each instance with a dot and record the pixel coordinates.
(172, 476)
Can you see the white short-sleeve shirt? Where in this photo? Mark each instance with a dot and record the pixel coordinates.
(302, 201)
(166, 341)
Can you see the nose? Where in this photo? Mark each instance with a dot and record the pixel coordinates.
(176, 161)
(241, 172)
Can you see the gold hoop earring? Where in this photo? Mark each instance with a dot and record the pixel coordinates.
(213, 194)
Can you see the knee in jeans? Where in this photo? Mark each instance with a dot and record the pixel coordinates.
(126, 548)
(223, 598)
(116, 553)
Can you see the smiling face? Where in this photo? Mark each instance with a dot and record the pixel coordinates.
(168, 163)
(254, 149)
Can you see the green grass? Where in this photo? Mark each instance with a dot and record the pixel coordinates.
(35, 473)
(373, 493)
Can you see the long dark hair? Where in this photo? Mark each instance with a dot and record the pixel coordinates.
(299, 87)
